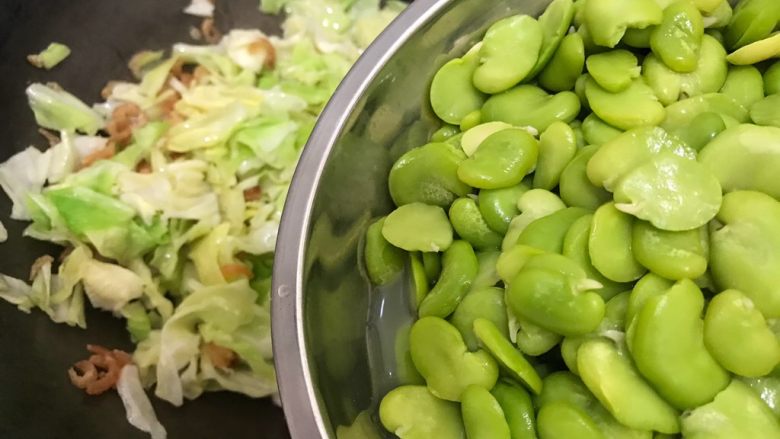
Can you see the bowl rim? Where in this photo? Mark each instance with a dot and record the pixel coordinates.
(301, 405)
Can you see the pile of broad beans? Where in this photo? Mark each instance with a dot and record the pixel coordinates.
(594, 232)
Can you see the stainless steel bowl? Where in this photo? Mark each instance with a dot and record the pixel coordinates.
(334, 335)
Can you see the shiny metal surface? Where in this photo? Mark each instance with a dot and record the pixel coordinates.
(333, 333)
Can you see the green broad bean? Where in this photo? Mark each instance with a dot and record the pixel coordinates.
(610, 245)
(418, 227)
(483, 416)
(528, 105)
(608, 20)
(670, 192)
(701, 131)
(432, 264)
(512, 361)
(555, 22)
(772, 79)
(547, 233)
(744, 84)
(638, 38)
(441, 357)
(682, 113)
(575, 247)
(557, 146)
(577, 127)
(487, 276)
(420, 284)
(444, 133)
(474, 136)
(533, 204)
(411, 412)
(428, 174)
(561, 419)
(650, 285)
(470, 120)
(673, 255)
(405, 370)
(768, 389)
(555, 300)
(484, 303)
(459, 268)
(499, 206)
(384, 262)
(614, 70)
(579, 89)
(575, 188)
(667, 343)
(753, 20)
(598, 132)
(509, 52)
(468, 223)
(502, 160)
(453, 94)
(677, 40)
(738, 165)
(518, 409)
(610, 375)
(633, 107)
(534, 340)
(718, 18)
(756, 52)
(735, 412)
(766, 112)
(512, 261)
(565, 66)
(743, 251)
(737, 336)
(708, 76)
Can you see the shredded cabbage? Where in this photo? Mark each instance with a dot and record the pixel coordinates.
(49, 57)
(173, 229)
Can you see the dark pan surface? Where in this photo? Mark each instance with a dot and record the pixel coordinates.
(36, 397)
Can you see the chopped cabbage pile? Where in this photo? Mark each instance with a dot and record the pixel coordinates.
(168, 195)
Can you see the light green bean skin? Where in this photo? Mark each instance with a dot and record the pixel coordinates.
(673, 255)
(383, 261)
(613, 70)
(610, 245)
(598, 132)
(612, 378)
(499, 206)
(485, 303)
(738, 165)
(474, 136)
(453, 94)
(428, 174)
(772, 79)
(565, 66)
(547, 233)
(575, 187)
(638, 38)
(509, 51)
(510, 359)
(608, 20)
(766, 112)
(738, 337)
(561, 419)
(467, 221)
(682, 113)
(702, 130)
(441, 357)
(717, 19)
(470, 120)
(418, 227)
(752, 21)
(460, 267)
(636, 106)
(518, 409)
(745, 246)
(432, 264)
(555, 22)
(411, 412)
(739, 413)
(512, 261)
(667, 345)
(650, 285)
(483, 417)
(575, 247)
(528, 105)
(677, 39)
(533, 204)
(502, 160)
(744, 84)
(420, 284)
(757, 52)
(557, 146)
(444, 133)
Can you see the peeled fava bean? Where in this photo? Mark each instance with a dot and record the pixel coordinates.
(509, 52)
(562, 419)
(468, 222)
(441, 357)
(635, 106)
(483, 303)
(610, 245)
(565, 66)
(483, 416)
(501, 160)
(499, 206)
(383, 260)
(518, 409)
(453, 94)
(673, 255)
(428, 174)
(459, 269)
(411, 412)
(418, 227)
(613, 70)
(528, 105)
(555, 22)
(557, 146)
(510, 359)
(677, 39)
(608, 20)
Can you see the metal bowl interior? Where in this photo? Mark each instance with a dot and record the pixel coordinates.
(334, 335)
(37, 399)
